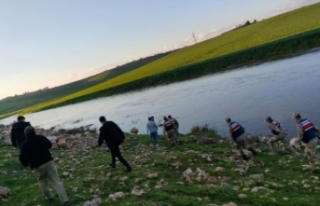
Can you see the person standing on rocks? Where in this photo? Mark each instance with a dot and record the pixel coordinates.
(279, 135)
(176, 127)
(237, 134)
(308, 134)
(168, 128)
(152, 129)
(111, 133)
(17, 132)
(36, 155)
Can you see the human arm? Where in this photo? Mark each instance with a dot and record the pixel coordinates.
(101, 137)
(13, 138)
(299, 133)
(23, 157)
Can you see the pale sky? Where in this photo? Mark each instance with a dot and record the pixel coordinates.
(49, 43)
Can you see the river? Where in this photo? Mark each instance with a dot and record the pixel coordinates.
(247, 95)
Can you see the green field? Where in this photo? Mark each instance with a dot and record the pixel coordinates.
(283, 182)
(269, 39)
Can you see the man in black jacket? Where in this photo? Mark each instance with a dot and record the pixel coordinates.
(36, 155)
(113, 136)
(17, 132)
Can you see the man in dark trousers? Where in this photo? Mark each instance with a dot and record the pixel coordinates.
(17, 132)
(113, 136)
(36, 155)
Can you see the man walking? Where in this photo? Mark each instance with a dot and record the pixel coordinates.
(308, 134)
(279, 135)
(237, 134)
(36, 155)
(17, 132)
(113, 136)
(152, 128)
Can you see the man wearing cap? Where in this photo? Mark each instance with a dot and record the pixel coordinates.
(36, 155)
(168, 128)
(237, 134)
(17, 132)
(279, 136)
(176, 127)
(308, 134)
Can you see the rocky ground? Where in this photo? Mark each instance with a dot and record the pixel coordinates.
(205, 170)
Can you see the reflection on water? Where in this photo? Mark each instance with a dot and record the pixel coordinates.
(248, 95)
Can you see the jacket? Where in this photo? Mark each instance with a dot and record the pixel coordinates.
(17, 133)
(111, 134)
(35, 151)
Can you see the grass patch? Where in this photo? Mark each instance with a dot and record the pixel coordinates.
(283, 177)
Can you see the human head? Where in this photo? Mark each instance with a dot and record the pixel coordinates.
(21, 119)
(102, 119)
(165, 118)
(296, 117)
(268, 119)
(152, 118)
(149, 118)
(29, 131)
(169, 116)
(228, 120)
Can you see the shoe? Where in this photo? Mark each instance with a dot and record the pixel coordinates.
(67, 203)
(253, 151)
(112, 165)
(129, 169)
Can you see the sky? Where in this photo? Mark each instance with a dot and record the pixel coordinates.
(45, 43)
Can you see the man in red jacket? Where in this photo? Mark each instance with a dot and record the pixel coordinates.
(113, 136)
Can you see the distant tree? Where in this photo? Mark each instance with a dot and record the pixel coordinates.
(247, 23)
(255, 21)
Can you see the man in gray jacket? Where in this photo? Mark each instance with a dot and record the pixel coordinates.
(152, 129)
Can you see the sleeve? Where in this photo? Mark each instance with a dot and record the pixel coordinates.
(177, 122)
(101, 137)
(147, 129)
(299, 132)
(120, 132)
(244, 131)
(23, 157)
(13, 138)
(47, 143)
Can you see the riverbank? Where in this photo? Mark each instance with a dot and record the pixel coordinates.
(189, 174)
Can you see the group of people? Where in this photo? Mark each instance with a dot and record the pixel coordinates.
(35, 154)
(170, 130)
(308, 135)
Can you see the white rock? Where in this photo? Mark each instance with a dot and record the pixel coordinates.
(4, 192)
(242, 196)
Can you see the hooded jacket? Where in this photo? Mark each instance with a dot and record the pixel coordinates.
(35, 151)
(17, 133)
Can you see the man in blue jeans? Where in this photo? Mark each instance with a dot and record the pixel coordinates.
(152, 128)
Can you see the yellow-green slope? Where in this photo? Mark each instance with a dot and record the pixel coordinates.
(288, 24)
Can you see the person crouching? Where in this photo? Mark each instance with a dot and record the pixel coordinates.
(36, 155)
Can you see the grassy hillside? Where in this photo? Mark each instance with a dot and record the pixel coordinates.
(273, 38)
(18, 102)
(268, 181)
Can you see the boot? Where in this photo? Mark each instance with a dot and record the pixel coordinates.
(244, 156)
(129, 169)
(253, 151)
(67, 203)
